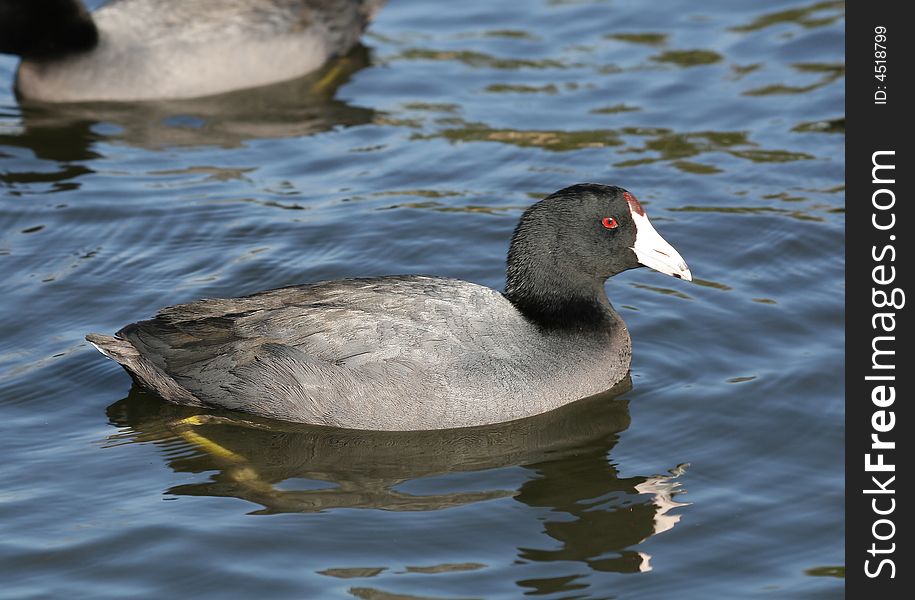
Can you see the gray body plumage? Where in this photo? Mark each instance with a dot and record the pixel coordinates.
(157, 49)
(390, 353)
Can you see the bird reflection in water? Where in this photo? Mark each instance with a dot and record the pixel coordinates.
(300, 107)
(597, 517)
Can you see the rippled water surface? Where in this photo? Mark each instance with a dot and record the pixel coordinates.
(718, 474)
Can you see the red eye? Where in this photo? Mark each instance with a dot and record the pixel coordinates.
(609, 223)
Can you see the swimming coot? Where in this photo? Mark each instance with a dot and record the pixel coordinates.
(414, 352)
(130, 50)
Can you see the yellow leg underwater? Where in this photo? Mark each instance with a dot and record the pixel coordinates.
(183, 428)
(240, 471)
(330, 80)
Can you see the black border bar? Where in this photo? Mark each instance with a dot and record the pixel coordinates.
(879, 262)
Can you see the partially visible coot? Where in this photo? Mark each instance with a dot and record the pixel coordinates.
(131, 50)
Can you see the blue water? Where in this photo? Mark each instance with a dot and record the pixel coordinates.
(718, 474)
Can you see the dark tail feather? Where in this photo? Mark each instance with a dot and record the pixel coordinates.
(141, 369)
(118, 350)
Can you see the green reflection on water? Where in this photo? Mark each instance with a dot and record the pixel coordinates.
(663, 291)
(688, 58)
(827, 126)
(446, 568)
(547, 139)
(516, 34)
(506, 88)
(830, 73)
(696, 168)
(771, 155)
(799, 16)
(669, 145)
(784, 197)
(838, 571)
(712, 284)
(651, 39)
(433, 106)
(352, 572)
(479, 59)
(742, 70)
(616, 108)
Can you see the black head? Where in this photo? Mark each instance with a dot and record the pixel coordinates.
(43, 29)
(569, 243)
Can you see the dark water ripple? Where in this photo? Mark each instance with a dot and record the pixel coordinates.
(719, 473)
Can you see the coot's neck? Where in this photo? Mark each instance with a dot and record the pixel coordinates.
(548, 289)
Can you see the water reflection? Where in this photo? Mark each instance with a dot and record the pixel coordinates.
(688, 58)
(299, 107)
(596, 516)
(662, 144)
(826, 74)
(814, 15)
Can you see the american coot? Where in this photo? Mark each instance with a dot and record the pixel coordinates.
(412, 352)
(156, 49)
